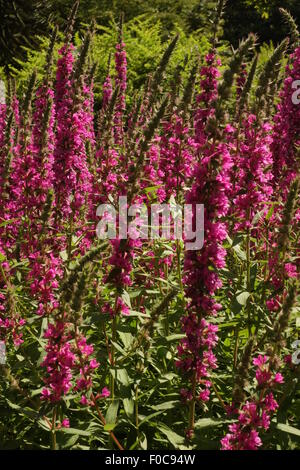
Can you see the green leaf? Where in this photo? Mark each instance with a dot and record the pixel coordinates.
(112, 412)
(122, 377)
(38, 391)
(167, 377)
(230, 324)
(151, 189)
(120, 349)
(257, 217)
(64, 255)
(143, 441)
(242, 298)
(10, 221)
(240, 253)
(79, 432)
(128, 406)
(270, 212)
(13, 405)
(71, 441)
(126, 338)
(134, 313)
(209, 423)
(42, 423)
(25, 411)
(174, 337)
(149, 417)
(235, 244)
(173, 438)
(288, 429)
(240, 301)
(109, 427)
(168, 405)
(126, 298)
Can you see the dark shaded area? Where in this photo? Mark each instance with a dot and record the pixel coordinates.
(241, 19)
(21, 21)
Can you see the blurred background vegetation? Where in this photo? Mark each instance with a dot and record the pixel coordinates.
(26, 26)
(22, 20)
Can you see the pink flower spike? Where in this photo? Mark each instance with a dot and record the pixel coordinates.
(84, 400)
(45, 394)
(105, 393)
(278, 378)
(94, 364)
(260, 361)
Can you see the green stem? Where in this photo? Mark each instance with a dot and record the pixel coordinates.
(218, 395)
(193, 404)
(4, 275)
(178, 252)
(236, 346)
(137, 411)
(53, 430)
(112, 352)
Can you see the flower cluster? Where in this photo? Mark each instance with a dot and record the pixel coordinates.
(121, 84)
(253, 186)
(65, 357)
(254, 416)
(60, 160)
(210, 187)
(286, 131)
